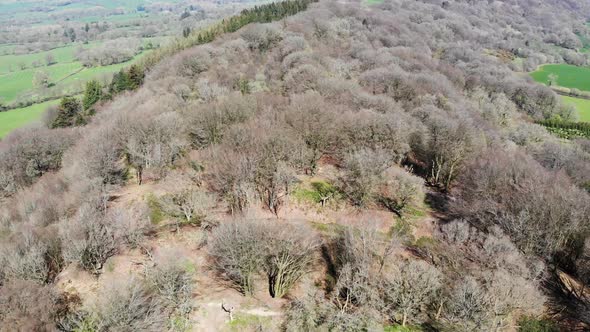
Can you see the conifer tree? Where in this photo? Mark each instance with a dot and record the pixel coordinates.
(92, 94)
(68, 113)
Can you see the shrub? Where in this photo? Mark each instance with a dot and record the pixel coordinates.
(532, 324)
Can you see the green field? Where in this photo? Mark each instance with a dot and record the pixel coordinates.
(13, 84)
(11, 63)
(582, 105)
(567, 76)
(22, 82)
(20, 117)
(68, 77)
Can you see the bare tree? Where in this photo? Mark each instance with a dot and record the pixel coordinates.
(28, 306)
(410, 291)
(363, 171)
(399, 189)
(290, 254)
(24, 258)
(243, 249)
(49, 59)
(172, 280)
(153, 143)
(129, 305)
(237, 253)
(41, 79)
(192, 204)
(89, 239)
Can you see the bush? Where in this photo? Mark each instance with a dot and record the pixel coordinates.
(532, 324)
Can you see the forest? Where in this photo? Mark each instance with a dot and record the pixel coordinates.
(312, 166)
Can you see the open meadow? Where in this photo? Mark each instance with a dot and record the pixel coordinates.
(568, 76)
(20, 117)
(582, 105)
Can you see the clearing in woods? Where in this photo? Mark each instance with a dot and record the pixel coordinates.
(568, 76)
(19, 117)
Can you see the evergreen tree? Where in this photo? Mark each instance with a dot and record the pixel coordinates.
(136, 76)
(120, 82)
(92, 94)
(68, 113)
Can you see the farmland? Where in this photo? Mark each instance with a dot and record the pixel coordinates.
(582, 105)
(22, 116)
(567, 76)
(49, 49)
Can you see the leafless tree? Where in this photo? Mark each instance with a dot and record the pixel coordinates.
(363, 171)
(291, 252)
(399, 189)
(28, 306)
(129, 305)
(171, 278)
(89, 239)
(192, 204)
(237, 253)
(411, 290)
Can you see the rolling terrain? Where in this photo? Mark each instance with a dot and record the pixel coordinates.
(311, 166)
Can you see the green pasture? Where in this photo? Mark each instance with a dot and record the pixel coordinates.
(12, 63)
(582, 105)
(67, 77)
(20, 117)
(13, 84)
(567, 76)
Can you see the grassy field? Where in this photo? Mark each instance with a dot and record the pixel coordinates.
(68, 77)
(22, 116)
(567, 76)
(11, 63)
(13, 84)
(22, 81)
(582, 105)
